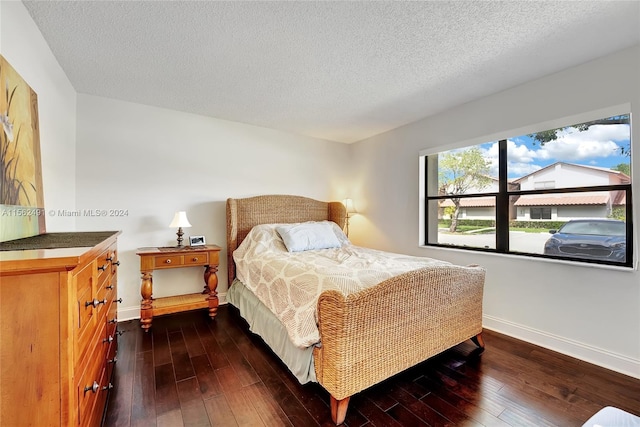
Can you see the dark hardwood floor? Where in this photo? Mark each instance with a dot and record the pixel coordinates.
(194, 372)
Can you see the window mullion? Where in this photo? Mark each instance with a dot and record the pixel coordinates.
(502, 200)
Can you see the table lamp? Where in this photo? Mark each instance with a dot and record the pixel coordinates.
(180, 220)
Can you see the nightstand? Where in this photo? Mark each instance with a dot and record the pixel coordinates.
(158, 258)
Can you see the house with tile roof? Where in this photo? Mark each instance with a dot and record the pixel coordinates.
(567, 206)
(551, 207)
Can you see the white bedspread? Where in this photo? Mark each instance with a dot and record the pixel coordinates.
(289, 284)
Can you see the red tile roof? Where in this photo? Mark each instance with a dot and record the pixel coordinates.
(562, 200)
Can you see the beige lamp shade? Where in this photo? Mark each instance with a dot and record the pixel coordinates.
(180, 220)
(348, 203)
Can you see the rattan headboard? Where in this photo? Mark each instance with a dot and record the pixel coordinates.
(244, 214)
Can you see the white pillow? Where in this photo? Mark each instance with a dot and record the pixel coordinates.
(308, 236)
(342, 238)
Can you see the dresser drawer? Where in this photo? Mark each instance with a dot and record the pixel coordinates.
(111, 330)
(82, 282)
(103, 266)
(114, 261)
(105, 298)
(110, 360)
(90, 385)
(87, 327)
(112, 312)
(85, 310)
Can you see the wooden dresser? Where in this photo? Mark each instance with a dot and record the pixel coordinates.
(58, 330)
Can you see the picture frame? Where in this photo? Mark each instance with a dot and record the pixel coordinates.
(196, 241)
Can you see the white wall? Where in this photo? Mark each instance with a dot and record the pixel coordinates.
(23, 46)
(152, 162)
(589, 312)
(563, 175)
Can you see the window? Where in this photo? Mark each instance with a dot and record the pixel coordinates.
(540, 213)
(544, 184)
(528, 194)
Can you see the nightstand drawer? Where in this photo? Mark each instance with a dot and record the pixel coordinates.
(198, 258)
(168, 261)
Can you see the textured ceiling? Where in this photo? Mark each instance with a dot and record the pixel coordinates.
(340, 71)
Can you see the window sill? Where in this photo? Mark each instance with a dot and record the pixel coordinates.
(536, 259)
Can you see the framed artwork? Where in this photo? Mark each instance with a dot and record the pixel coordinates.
(21, 197)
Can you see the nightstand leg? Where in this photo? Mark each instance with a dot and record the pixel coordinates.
(210, 287)
(146, 305)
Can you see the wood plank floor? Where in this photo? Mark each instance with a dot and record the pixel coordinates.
(189, 371)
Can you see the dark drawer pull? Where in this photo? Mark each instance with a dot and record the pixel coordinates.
(108, 387)
(110, 287)
(103, 267)
(117, 263)
(119, 300)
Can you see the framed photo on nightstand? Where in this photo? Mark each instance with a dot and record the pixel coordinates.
(196, 241)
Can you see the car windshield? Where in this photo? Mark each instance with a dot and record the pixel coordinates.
(602, 228)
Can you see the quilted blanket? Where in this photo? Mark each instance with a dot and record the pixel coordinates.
(289, 284)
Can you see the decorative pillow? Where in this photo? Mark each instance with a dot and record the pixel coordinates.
(308, 236)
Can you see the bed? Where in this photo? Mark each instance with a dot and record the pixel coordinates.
(365, 334)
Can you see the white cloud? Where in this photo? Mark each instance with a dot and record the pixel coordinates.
(522, 169)
(572, 146)
(520, 158)
(521, 153)
(598, 141)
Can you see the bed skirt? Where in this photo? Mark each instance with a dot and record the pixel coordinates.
(265, 324)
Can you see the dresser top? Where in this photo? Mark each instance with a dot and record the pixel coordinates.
(53, 251)
(57, 240)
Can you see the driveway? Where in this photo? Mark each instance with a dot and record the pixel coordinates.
(519, 241)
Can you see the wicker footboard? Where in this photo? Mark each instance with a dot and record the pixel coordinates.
(374, 334)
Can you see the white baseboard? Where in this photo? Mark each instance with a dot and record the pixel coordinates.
(128, 313)
(604, 358)
(131, 313)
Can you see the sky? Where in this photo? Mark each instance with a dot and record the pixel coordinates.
(598, 146)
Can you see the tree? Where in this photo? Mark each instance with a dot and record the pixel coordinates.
(459, 172)
(625, 168)
(552, 134)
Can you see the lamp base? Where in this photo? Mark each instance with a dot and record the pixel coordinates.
(180, 234)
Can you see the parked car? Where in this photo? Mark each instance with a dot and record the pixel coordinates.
(598, 239)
